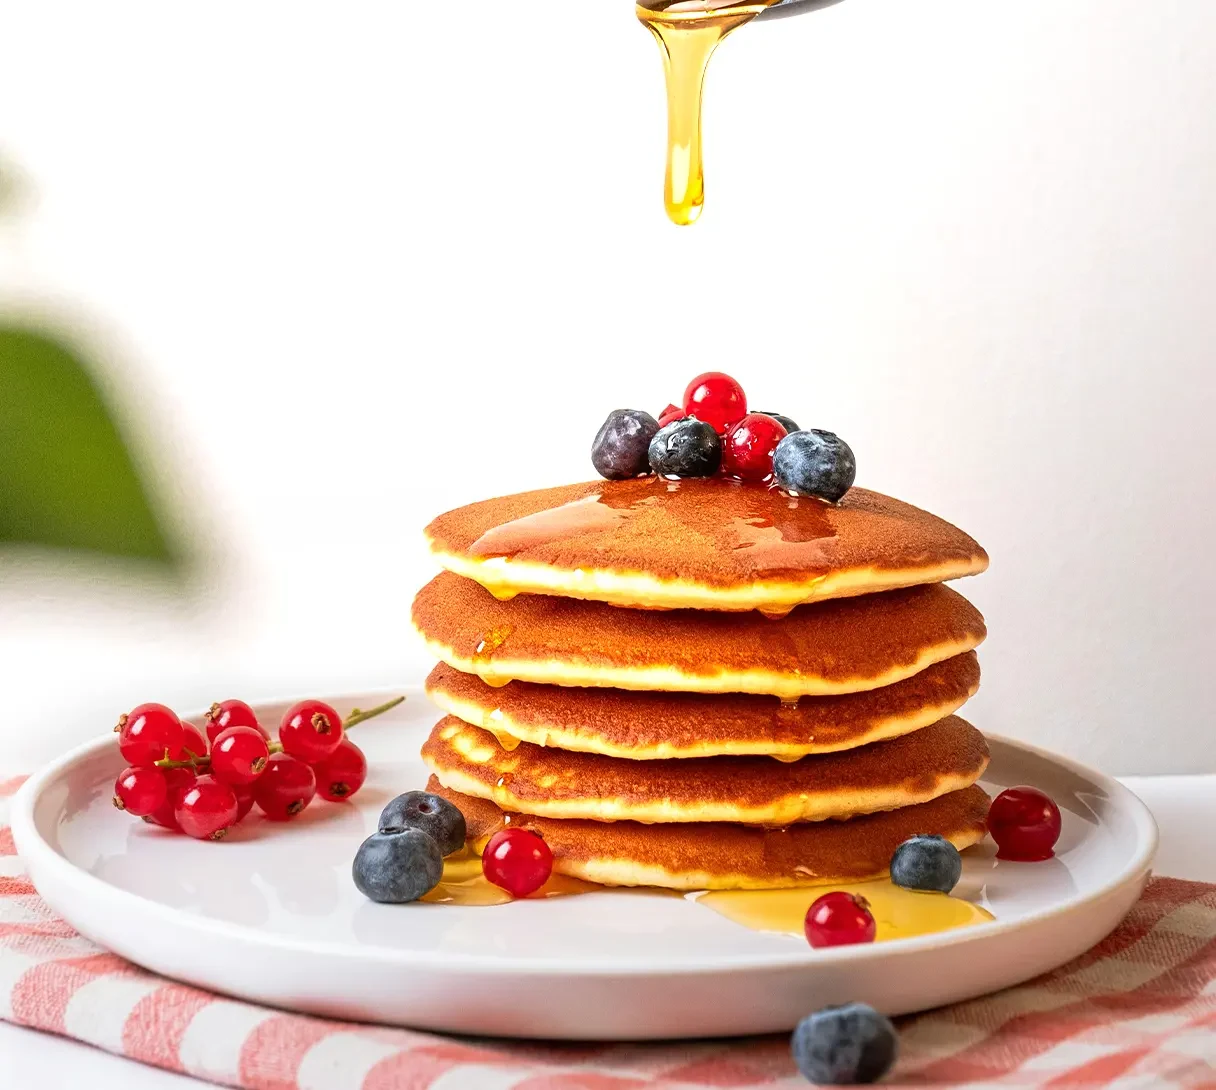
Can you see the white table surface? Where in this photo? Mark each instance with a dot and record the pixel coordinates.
(1184, 807)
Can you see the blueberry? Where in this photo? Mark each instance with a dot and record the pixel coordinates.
(784, 421)
(620, 448)
(814, 463)
(844, 1046)
(435, 816)
(928, 863)
(686, 448)
(398, 866)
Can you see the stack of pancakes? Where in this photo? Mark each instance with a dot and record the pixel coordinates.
(705, 684)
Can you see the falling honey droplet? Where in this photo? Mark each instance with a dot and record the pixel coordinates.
(483, 654)
(898, 913)
(506, 741)
(688, 32)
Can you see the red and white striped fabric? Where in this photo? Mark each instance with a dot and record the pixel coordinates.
(1137, 1011)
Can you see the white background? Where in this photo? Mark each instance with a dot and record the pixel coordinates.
(351, 265)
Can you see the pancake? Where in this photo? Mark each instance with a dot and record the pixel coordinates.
(944, 757)
(845, 646)
(717, 855)
(715, 544)
(645, 726)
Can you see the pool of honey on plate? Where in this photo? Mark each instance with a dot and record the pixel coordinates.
(898, 913)
(688, 32)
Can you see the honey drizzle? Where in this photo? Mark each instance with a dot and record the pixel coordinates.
(898, 913)
(688, 32)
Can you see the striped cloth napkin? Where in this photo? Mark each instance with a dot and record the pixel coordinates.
(1139, 1010)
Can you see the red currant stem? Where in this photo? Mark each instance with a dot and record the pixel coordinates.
(201, 764)
(356, 716)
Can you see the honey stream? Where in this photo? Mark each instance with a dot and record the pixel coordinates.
(688, 32)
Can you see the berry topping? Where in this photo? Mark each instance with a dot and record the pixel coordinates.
(927, 863)
(1025, 824)
(397, 866)
(177, 782)
(715, 399)
(285, 788)
(844, 1046)
(140, 791)
(239, 755)
(207, 810)
(434, 815)
(193, 743)
(340, 776)
(747, 450)
(670, 415)
(620, 448)
(784, 421)
(231, 713)
(311, 730)
(839, 919)
(518, 861)
(687, 448)
(815, 463)
(148, 732)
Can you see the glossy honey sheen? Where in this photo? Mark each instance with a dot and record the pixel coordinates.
(899, 913)
(688, 32)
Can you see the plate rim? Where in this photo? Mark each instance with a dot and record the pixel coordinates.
(37, 853)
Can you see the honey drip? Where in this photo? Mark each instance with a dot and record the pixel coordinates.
(483, 654)
(899, 913)
(688, 32)
(463, 883)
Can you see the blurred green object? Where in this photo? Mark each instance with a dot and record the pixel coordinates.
(67, 480)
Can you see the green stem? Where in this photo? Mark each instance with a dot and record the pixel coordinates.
(356, 716)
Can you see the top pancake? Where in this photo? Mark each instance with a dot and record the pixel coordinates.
(715, 544)
(847, 646)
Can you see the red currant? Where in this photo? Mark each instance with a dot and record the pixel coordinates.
(1025, 824)
(147, 732)
(747, 450)
(239, 755)
(518, 861)
(193, 743)
(839, 919)
(340, 776)
(670, 415)
(715, 399)
(285, 788)
(311, 730)
(231, 713)
(244, 800)
(207, 810)
(140, 791)
(177, 782)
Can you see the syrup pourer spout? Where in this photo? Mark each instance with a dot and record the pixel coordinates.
(796, 7)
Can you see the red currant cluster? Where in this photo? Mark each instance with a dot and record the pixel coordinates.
(748, 439)
(203, 786)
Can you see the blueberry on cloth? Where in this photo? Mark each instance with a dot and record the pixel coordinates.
(845, 1046)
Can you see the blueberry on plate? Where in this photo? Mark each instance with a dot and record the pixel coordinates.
(686, 448)
(621, 446)
(845, 1046)
(814, 463)
(784, 421)
(431, 814)
(398, 866)
(929, 863)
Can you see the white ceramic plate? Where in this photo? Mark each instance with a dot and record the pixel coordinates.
(271, 915)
